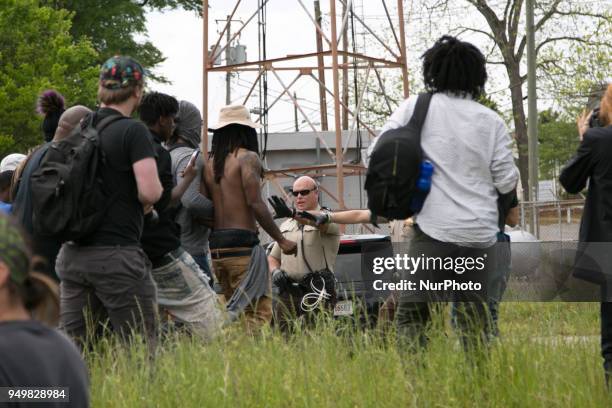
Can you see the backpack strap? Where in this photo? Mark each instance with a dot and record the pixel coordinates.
(103, 124)
(420, 112)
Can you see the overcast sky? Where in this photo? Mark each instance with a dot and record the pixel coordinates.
(178, 34)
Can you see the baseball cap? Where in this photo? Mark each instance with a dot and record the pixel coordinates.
(11, 162)
(120, 72)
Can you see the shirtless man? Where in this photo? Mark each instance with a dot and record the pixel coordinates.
(232, 179)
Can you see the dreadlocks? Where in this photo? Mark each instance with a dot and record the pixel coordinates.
(455, 66)
(155, 105)
(227, 140)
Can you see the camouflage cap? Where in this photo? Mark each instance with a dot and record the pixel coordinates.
(120, 72)
(14, 251)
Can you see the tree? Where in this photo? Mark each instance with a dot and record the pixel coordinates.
(560, 26)
(37, 52)
(576, 75)
(113, 26)
(558, 140)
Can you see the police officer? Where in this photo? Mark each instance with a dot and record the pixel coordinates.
(305, 281)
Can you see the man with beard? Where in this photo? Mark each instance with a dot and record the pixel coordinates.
(232, 179)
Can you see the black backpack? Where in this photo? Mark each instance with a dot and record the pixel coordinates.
(68, 198)
(394, 166)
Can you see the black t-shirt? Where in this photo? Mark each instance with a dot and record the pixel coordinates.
(163, 237)
(124, 142)
(33, 355)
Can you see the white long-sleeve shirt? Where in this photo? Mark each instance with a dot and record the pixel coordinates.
(469, 147)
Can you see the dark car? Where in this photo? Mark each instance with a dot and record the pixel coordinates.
(358, 293)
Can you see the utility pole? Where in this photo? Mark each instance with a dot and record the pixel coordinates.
(295, 114)
(532, 111)
(321, 70)
(228, 75)
(337, 119)
(345, 89)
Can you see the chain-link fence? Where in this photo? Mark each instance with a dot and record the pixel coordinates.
(552, 220)
(549, 221)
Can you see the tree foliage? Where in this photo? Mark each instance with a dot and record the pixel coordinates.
(560, 27)
(37, 52)
(558, 140)
(119, 26)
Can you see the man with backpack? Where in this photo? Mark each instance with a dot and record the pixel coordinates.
(184, 295)
(103, 270)
(468, 147)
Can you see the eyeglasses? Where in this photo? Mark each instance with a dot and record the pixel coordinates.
(303, 193)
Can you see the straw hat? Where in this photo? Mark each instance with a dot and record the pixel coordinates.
(235, 114)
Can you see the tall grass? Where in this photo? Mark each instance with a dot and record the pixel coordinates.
(534, 364)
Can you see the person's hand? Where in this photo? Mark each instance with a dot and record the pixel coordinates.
(583, 123)
(147, 209)
(305, 218)
(288, 247)
(190, 171)
(316, 218)
(281, 210)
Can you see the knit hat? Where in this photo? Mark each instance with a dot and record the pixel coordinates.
(120, 72)
(40, 293)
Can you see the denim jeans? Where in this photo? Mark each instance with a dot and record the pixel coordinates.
(415, 313)
(184, 294)
(497, 284)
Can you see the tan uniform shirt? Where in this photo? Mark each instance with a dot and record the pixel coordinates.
(315, 242)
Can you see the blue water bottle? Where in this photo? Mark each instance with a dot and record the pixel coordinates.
(423, 186)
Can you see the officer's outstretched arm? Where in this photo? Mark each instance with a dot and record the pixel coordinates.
(338, 217)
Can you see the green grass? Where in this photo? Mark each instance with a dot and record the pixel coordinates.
(548, 356)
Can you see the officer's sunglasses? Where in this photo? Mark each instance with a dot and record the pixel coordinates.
(303, 193)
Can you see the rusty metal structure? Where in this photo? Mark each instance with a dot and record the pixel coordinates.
(300, 64)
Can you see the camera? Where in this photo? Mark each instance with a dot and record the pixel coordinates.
(594, 119)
